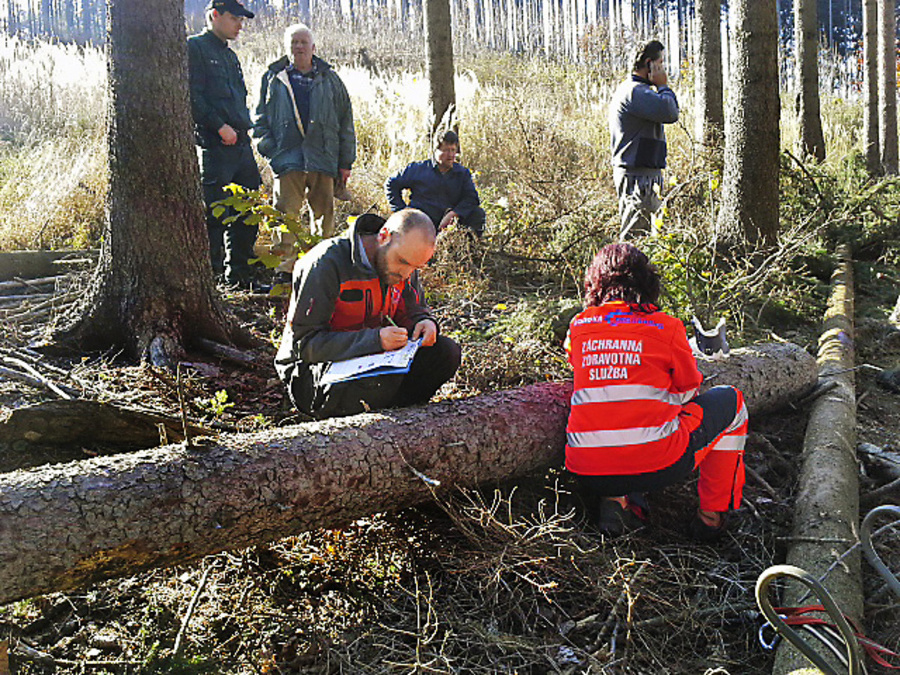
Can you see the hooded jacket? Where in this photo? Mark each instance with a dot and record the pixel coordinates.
(338, 306)
(637, 113)
(329, 142)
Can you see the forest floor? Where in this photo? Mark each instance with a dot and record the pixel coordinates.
(509, 579)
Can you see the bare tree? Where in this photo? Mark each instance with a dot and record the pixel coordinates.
(710, 116)
(870, 87)
(153, 288)
(439, 59)
(887, 85)
(750, 179)
(806, 40)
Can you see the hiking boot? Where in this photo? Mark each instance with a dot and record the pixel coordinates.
(615, 520)
(700, 530)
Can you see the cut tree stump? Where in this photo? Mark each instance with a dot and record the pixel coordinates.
(70, 525)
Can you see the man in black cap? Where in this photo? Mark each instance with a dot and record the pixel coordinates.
(221, 124)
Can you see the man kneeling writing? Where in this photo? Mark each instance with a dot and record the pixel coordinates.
(356, 295)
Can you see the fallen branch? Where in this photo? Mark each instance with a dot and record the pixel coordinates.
(62, 392)
(227, 353)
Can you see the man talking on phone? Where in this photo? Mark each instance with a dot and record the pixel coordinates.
(637, 112)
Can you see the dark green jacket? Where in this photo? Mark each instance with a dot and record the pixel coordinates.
(329, 141)
(218, 93)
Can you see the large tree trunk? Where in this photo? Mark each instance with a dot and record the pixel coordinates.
(69, 525)
(153, 289)
(750, 181)
(806, 38)
(710, 120)
(439, 62)
(887, 85)
(870, 87)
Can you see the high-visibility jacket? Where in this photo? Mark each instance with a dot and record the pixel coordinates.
(634, 377)
(338, 306)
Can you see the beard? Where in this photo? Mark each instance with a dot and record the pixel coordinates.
(386, 277)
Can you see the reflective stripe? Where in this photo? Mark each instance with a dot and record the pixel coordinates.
(739, 420)
(730, 443)
(618, 393)
(617, 437)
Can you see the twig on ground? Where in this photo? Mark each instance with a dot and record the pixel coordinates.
(176, 649)
(762, 482)
(62, 392)
(226, 352)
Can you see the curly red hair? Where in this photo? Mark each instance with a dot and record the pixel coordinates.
(621, 272)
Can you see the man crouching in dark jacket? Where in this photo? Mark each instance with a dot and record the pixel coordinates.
(357, 295)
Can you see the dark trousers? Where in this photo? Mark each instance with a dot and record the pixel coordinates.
(231, 245)
(431, 367)
(720, 407)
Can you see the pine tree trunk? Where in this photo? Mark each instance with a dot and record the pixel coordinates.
(69, 525)
(710, 120)
(750, 194)
(806, 32)
(153, 288)
(887, 89)
(870, 87)
(439, 60)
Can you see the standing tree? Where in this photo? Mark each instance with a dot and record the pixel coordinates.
(887, 85)
(439, 61)
(710, 119)
(750, 178)
(806, 39)
(870, 87)
(153, 289)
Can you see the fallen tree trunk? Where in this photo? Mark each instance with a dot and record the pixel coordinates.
(30, 264)
(69, 525)
(826, 509)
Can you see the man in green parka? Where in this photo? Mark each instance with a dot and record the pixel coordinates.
(304, 127)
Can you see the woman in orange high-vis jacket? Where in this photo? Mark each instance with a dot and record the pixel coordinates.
(637, 423)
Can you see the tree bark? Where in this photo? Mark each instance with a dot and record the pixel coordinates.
(887, 85)
(710, 120)
(153, 289)
(806, 39)
(750, 182)
(870, 87)
(439, 62)
(69, 525)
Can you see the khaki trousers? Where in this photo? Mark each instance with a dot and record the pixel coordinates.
(291, 190)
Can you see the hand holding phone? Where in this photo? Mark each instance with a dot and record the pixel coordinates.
(658, 74)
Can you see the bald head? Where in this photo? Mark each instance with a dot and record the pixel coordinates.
(405, 244)
(407, 220)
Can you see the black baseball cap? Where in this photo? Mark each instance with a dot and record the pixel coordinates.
(232, 6)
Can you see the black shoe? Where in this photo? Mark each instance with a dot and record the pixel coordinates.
(700, 531)
(615, 520)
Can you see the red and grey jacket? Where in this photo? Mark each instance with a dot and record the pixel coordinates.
(338, 306)
(634, 373)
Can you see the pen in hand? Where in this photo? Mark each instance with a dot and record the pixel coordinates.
(393, 336)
